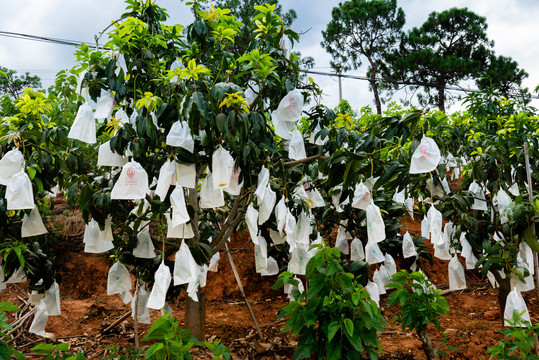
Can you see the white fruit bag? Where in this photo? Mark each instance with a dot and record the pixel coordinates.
(467, 252)
(251, 219)
(425, 227)
(296, 149)
(373, 254)
(362, 197)
(10, 164)
(408, 247)
(222, 166)
(145, 248)
(160, 287)
(267, 205)
(373, 291)
(377, 279)
(32, 225)
(105, 106)
(316, 198)
(97, 241)
(271, 269)
(143, 313)
(83, 127)
(105, 156)
(479, 203)
(19, 193)
(234, 186)
(376, 231)
(282, 128)
(384, 275)
(179, 210)
(281, 212)
(167, 176)
(526, 254)
(263, 180)
(210, 198)
(35, 298)
(457, 278)
(261, 254)
(515, 304)
(214, 262)
(276, 237)
(341, 242)
(182, 231)
(441, 250)
(122, 117)
(426, 157)
(18, 276)
(298, 260)
(390, 264)
(40, 320)
(318, 141)
(356, 250)
(303, 229)
(185, 266)
(291, 230)
(251, 92)
(52, 300)
(186, 175)
(132, 184)
(291, 106)
(409, 205)
(288, 288)
(180, 136)
(119, 279)
(435, 228)
(126, 297)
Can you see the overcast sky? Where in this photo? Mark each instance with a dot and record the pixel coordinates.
(512, 25)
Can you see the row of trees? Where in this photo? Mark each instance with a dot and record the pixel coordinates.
(451, 46)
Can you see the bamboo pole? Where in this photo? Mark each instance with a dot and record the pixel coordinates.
(530, 197)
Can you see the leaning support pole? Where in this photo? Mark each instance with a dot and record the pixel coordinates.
(261, 337)
(530, 197)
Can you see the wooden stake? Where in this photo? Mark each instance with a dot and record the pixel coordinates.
(530, 197)
(135, 315)
(236, 275)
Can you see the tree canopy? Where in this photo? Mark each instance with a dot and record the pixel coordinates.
(13, 84)
(362, 28)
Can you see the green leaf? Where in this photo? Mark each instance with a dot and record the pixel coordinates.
(349, 327)
(5, 353)
(43, 348)
(531, 238)
(7, 306)
(333, 327)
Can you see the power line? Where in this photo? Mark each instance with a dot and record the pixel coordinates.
(59, 41)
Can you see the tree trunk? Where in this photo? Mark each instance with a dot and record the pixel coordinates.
(374, 86)
(195, 315)
(428, 346)
(503, 292)
(441, 98)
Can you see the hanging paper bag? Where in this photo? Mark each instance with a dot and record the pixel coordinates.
(408, 247)
(52, 300)
(180, 136)
(384, 275)
(34, 298)
(291, 230)
(435, 228)
(356, 250)
(425, 227)
(83, 127)
(376, 278)
(457, 278)
(251, 217)
(373, 254)
(281, 212)
(441, 250)
(119, 279)
(121, 117)
(362, 197)
(291, 106)
(515, 305)
(261, 254)
(160, 287)
(316, 198)
(313, 139)
(373, 291)
(182, 231)
(132, 184)
(271, 269)
(10, 164)
(234, 186)
(409, 206)
(40, 320)
(185, 266)
(143, 313)
(263, 180)
(106, 157)
(33, 225)
(210, 198)
(267, 205)
(376, 231)
(480, 201)
(186, 175)
(467, 252)
(214, 262)
(97, 241)
(296, 149)
(341, 242)
(303, 229)
(390, 264)
(179, 210)
(298, 260)
(222, 166)
(167, 176)
(126, 297)
(19, 193)
(276, 237)
(145, 248)
(18, 276)
(426, 157)
(105, 106)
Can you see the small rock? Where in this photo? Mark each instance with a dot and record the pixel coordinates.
(491, 315)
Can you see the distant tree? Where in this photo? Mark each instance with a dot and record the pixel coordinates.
(12, 84)
(451, 46)
(504, 74)
(362, 28)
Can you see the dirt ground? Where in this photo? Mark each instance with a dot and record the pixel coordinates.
(87, 310)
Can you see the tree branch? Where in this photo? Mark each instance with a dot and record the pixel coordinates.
(295, 162)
